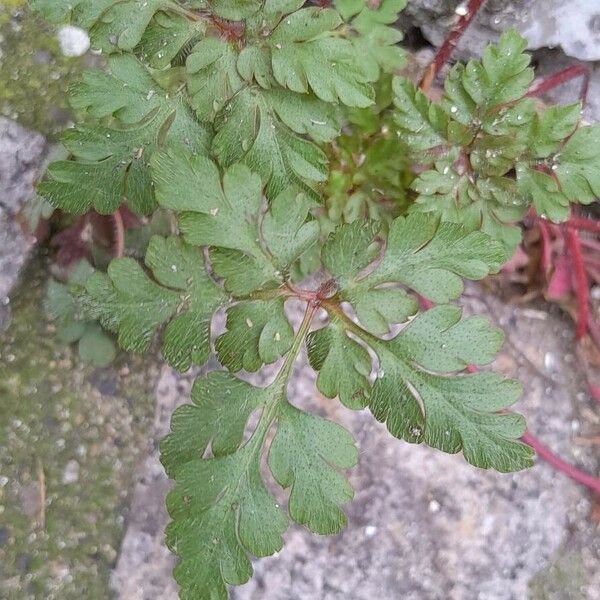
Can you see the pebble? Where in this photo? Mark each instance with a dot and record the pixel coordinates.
(73, 41)
(71, 472)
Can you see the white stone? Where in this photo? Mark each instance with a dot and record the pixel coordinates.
(71, 472)
(574, 25)
(73, 41)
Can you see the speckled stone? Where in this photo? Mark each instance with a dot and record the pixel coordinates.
(22, 154)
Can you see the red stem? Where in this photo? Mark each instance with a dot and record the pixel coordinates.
(424, 303)
(119, 232)
(561, 77)
(581, 281)
(552, 459)
(584, 224)
(559, 464)
(445, 50)
(594, 331)
(546, 240)
(591, 244)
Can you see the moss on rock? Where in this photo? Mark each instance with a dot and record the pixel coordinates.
(70, 437)
(35, 75)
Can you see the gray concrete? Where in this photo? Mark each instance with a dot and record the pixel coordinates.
(22, 156)
(423, 525)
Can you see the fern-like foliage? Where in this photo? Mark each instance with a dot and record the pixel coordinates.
(227, 113)
(222, 512)
(490, 152)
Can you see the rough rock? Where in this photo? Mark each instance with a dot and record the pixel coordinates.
(22, 155)
(573, 25)
(143, 569)
(423, 525)
(559, 31)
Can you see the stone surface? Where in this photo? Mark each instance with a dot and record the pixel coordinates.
(573, 25)
(22, 155)
(423, 525)
(71, 438)
(143, 570)
(542, 23)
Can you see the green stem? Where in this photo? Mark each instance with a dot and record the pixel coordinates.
(184, 12)
(335, 309)
(279, 386)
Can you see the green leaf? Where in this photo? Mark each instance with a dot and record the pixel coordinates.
(578, 165)
(376, 43)
(422, 125)
(127, 91)
(305, 55)
(248, 131)
(258, 333)
(305, 114)
(113, 24)
(62, 308)
(221, 406)
(63, 305)
(122, 26)
(96, 348)
(449, 413)
(232, 10)
(503, 75)
(188, 182)
(344, 365)
(431, 257)
(307, 454)
(549, 201)
(551, 127)
(213, 77)
(426, 256)
(220, 507)
(55, 11)
(176, 265)
(493, 204)
(285, 230)
(226, 216)
(213, 214)
(349, 250)
(167, 37)
(127, 302)
(111, 164)
(439, 340)
(221, 511)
